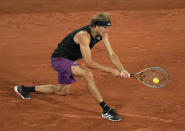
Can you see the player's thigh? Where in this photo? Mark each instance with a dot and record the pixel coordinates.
(80, 71)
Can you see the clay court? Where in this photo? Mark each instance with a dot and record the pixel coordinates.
(144, 33)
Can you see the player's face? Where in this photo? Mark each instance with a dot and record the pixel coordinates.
(103, 30)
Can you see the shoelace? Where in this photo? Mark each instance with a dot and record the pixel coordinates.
(113, 112)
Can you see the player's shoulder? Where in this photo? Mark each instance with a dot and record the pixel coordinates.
(82, 37)
(82, 34)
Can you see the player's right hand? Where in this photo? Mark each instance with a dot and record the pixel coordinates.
(125, 74)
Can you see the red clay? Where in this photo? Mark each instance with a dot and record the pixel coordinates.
(143, 34)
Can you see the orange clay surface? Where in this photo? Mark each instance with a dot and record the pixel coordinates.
(144, 33)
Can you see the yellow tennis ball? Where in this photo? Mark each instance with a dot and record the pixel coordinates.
(155, 80)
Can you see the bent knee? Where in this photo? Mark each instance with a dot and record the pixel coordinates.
(89, 76)
(61, 90)
(61, 93)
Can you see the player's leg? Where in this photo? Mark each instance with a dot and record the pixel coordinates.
(91, 86)
(63, 89)
(87, 75)
(60, 89)
(65, 79)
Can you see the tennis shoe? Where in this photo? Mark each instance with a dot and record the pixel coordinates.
(19, 90)
(111, 115)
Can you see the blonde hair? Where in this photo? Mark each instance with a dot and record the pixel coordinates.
(99, 17)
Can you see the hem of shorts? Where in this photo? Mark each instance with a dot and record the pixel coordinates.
(63, 58)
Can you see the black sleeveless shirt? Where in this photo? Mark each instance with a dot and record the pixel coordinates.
(69, 49)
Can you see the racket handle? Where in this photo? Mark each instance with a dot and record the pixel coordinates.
(131, 75)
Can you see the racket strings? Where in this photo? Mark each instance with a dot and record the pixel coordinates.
(148, 75)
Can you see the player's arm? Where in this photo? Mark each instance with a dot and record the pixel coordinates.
(83, 38)
(112, 55)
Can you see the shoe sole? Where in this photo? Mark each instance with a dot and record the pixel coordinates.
(110, 118)
(15, 89)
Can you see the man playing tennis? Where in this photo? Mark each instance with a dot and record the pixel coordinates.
(73, 47)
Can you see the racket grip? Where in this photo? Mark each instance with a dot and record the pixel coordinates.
(131, 75)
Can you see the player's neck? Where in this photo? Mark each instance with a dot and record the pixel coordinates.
(94, 32)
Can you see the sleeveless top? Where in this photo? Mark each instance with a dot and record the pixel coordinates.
(69, 49)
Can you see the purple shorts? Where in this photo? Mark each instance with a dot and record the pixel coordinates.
(63, 67)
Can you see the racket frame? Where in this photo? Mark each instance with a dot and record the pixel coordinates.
(133, 75)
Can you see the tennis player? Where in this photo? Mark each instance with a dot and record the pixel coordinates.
(75, 46)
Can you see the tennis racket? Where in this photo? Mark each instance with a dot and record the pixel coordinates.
(155, 77)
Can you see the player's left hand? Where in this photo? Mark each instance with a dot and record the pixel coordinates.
(124, 73)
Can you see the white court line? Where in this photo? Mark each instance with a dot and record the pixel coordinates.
(128, 115)
(64, 116)
(148, 117)
(79, 116)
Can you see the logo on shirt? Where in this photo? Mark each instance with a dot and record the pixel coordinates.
(98, 38)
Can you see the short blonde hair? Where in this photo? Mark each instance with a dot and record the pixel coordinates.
(99, 17)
